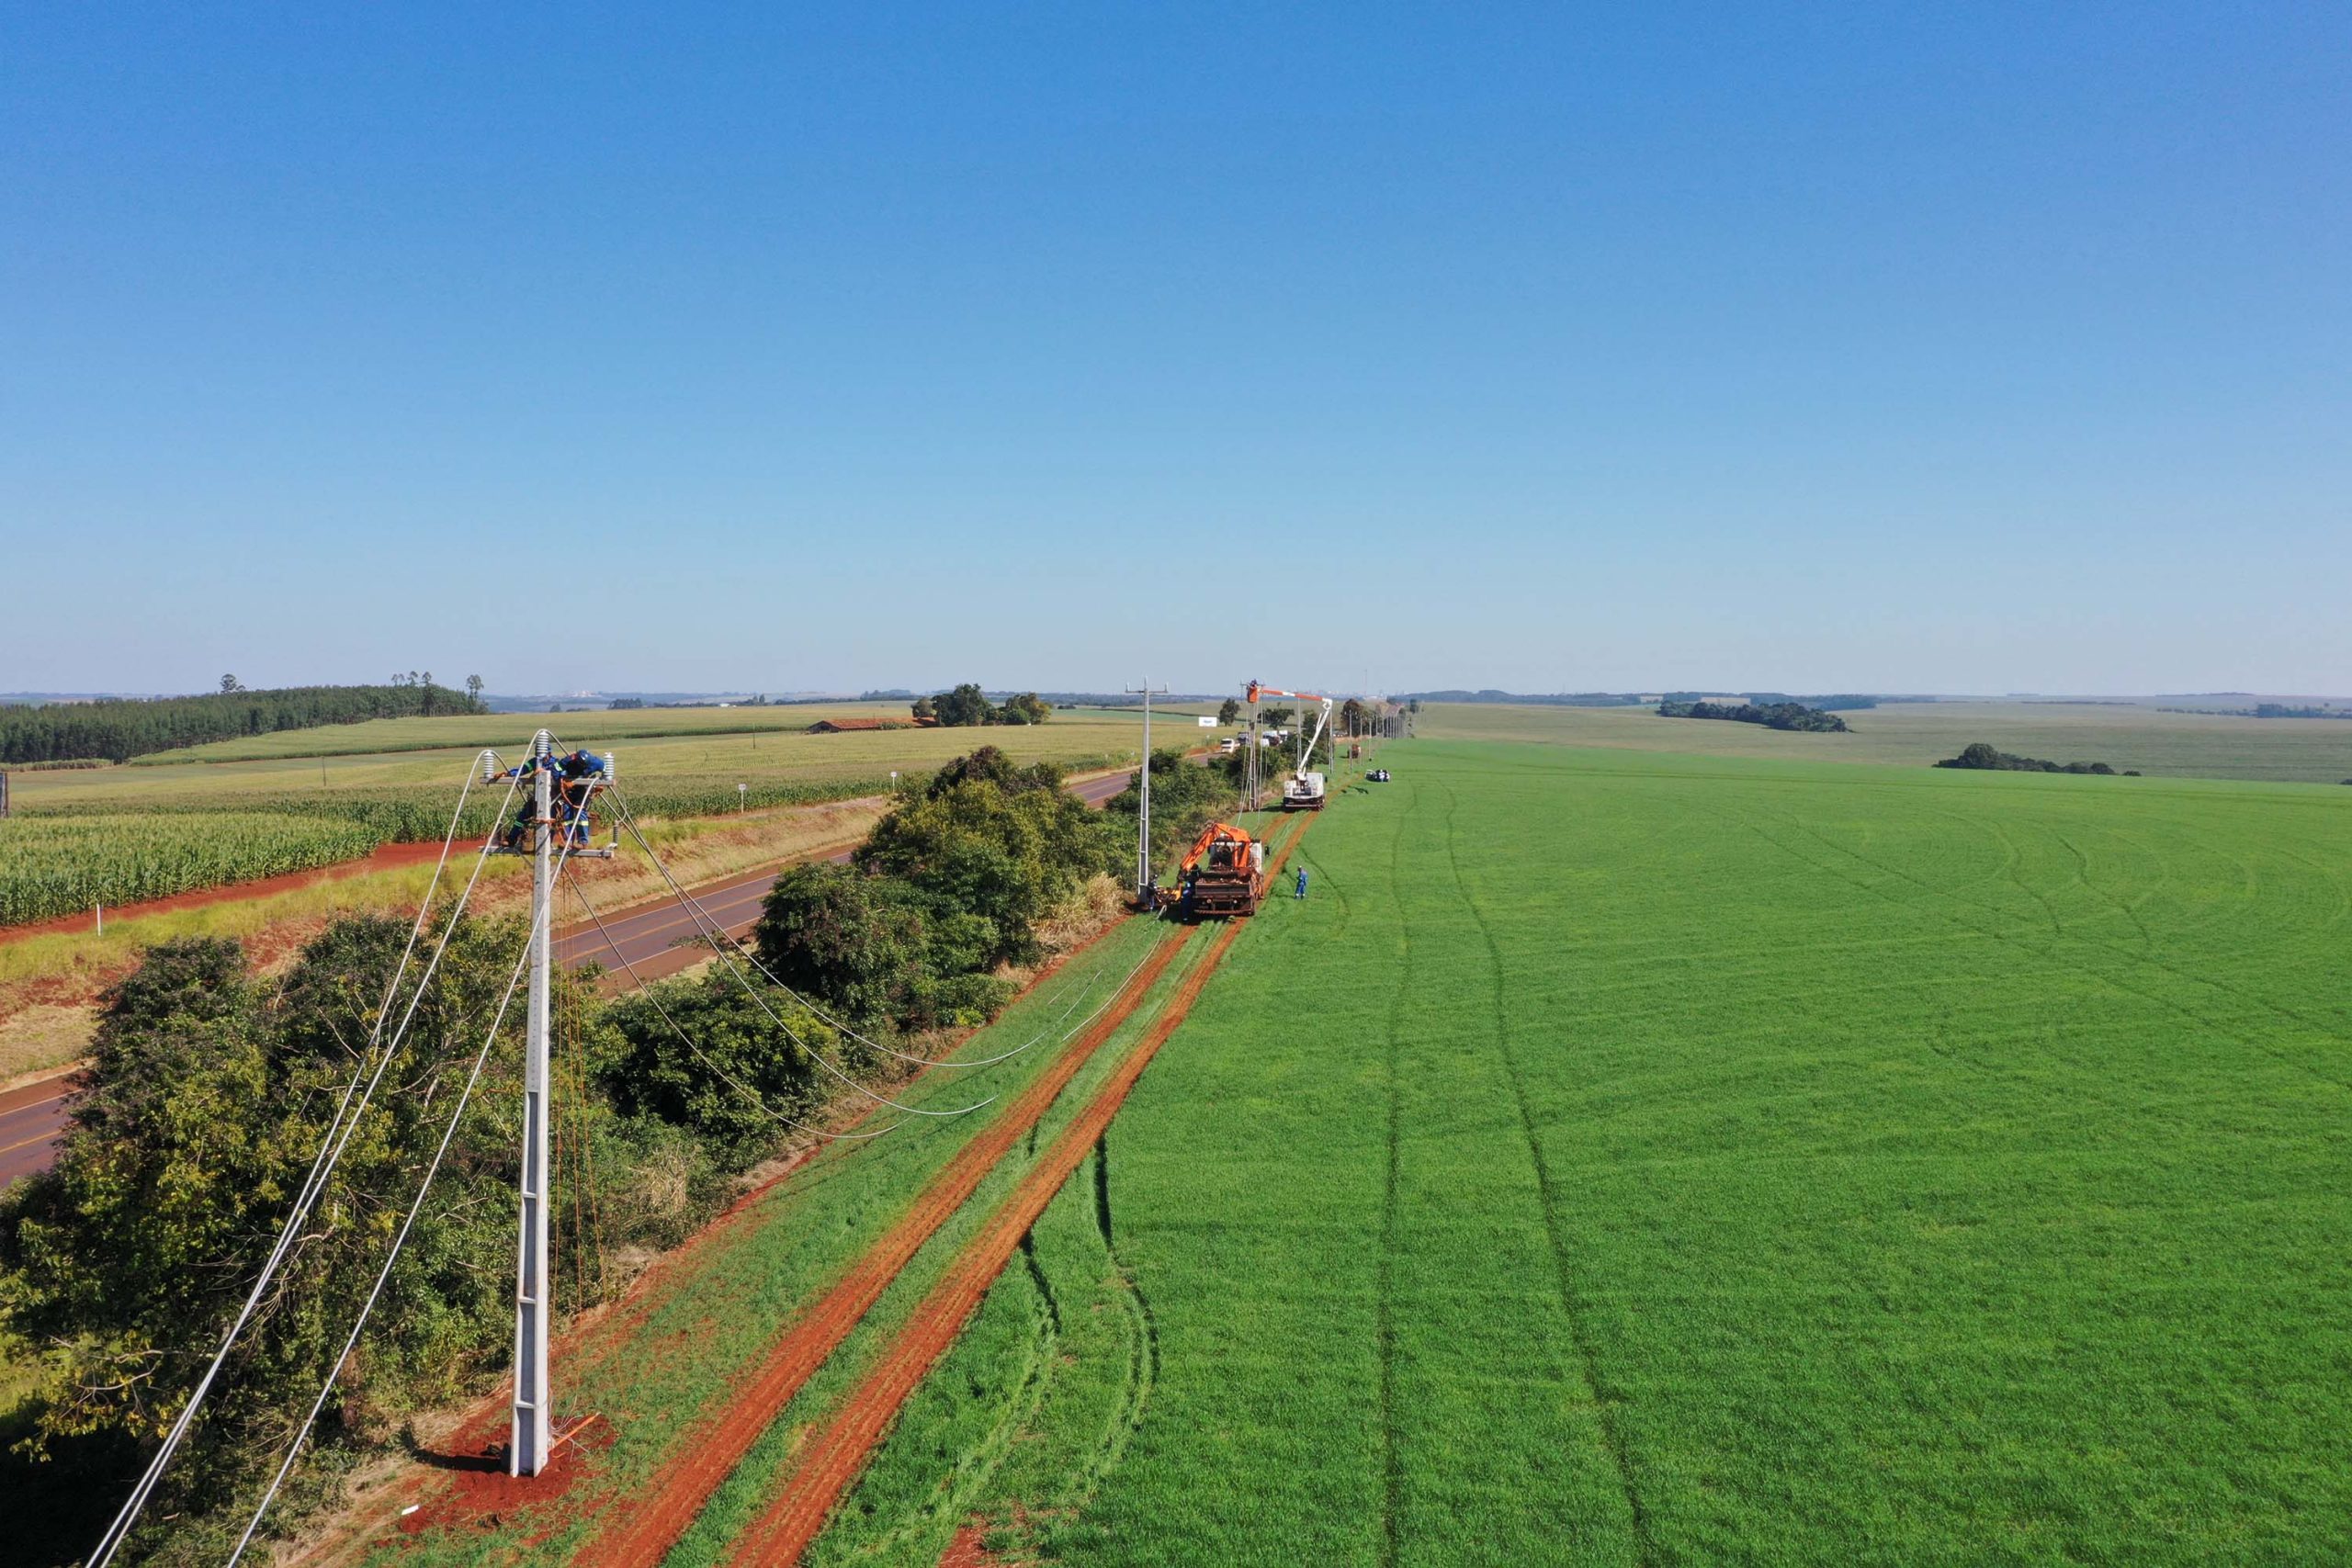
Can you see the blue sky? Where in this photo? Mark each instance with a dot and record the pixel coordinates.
(1956, 349)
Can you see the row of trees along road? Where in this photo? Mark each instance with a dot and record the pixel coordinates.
(210, 1086)
(117, 730)
(952, 885)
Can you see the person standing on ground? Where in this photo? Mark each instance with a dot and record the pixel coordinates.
(1299, 889)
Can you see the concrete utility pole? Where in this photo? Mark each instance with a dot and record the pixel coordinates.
(1143, 834)
(1249, 761)
(527, 1454)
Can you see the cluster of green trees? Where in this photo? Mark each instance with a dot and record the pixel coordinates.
(1837, 702)
(210, 1087)
(2285, 710)
(209, 1090)
(1541, 699)
(951, 885)
(1772, 715)
(969, 705)
(1983, 754)
(118, 730)
(1185, 797)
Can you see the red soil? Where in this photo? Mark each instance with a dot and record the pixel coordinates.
(969, 1550)
(387, 858)
(831, 1460)
(482, 1492)
(706, 1454)
(590, 1339)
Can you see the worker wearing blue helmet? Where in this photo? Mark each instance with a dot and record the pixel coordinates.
(575, 772)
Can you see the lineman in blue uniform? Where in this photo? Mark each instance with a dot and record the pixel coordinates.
(574, 773)
(1299, 890)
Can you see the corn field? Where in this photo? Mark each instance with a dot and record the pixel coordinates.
(59, 858)
(60, 865)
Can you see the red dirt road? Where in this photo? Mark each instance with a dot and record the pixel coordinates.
(706, 1455)
(831, 1460)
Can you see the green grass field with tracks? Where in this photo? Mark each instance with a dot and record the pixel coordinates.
(2123, 735)
(1627, 1158)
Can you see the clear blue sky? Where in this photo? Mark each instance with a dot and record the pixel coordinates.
(1963, 347)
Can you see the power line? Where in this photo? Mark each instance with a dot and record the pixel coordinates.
(707, 926)
(713, 932)
(745, 1090)
(433, 1169)
(331, 1145)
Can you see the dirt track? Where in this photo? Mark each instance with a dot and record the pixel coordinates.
(831, 1460)
(706, 1455)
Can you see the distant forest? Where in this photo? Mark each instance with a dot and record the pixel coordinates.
(117, 731)
(1835, 702)
(1772, 715)
(1984, 755)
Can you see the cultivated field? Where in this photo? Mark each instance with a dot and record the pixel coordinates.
(242, 815)
(471, 731)
(65, 865)
(1638, 1159)
(2177, 745)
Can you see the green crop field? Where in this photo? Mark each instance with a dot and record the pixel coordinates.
(656, 763)
(359, 801)
(1628, 1158)
(2124, 735)
(62, 865)
(467, 731)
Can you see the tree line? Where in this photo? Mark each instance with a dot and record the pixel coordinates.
(208, 1089)
(968, 705)
(210, 1083)
(119, 729)
(949, 889)
(1772, 715)
(1984, 755)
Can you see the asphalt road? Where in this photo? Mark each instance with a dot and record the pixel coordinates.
(658, 940)
(32, 1120)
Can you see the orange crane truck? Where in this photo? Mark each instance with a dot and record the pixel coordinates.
(1224, 873)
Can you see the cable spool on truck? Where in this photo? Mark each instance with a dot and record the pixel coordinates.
(1222, 874)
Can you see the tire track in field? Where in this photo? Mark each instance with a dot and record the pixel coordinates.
(1392, 1466)
(2064, 935)
(958, 1492)
(1605, 1400)
(1143, 1346)
(2054, 954)
(805, 1494)
(2060, 935)
(702, 1458)
(2097, 890)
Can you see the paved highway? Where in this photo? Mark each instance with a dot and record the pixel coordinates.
(658, 940)
(32, 1120)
